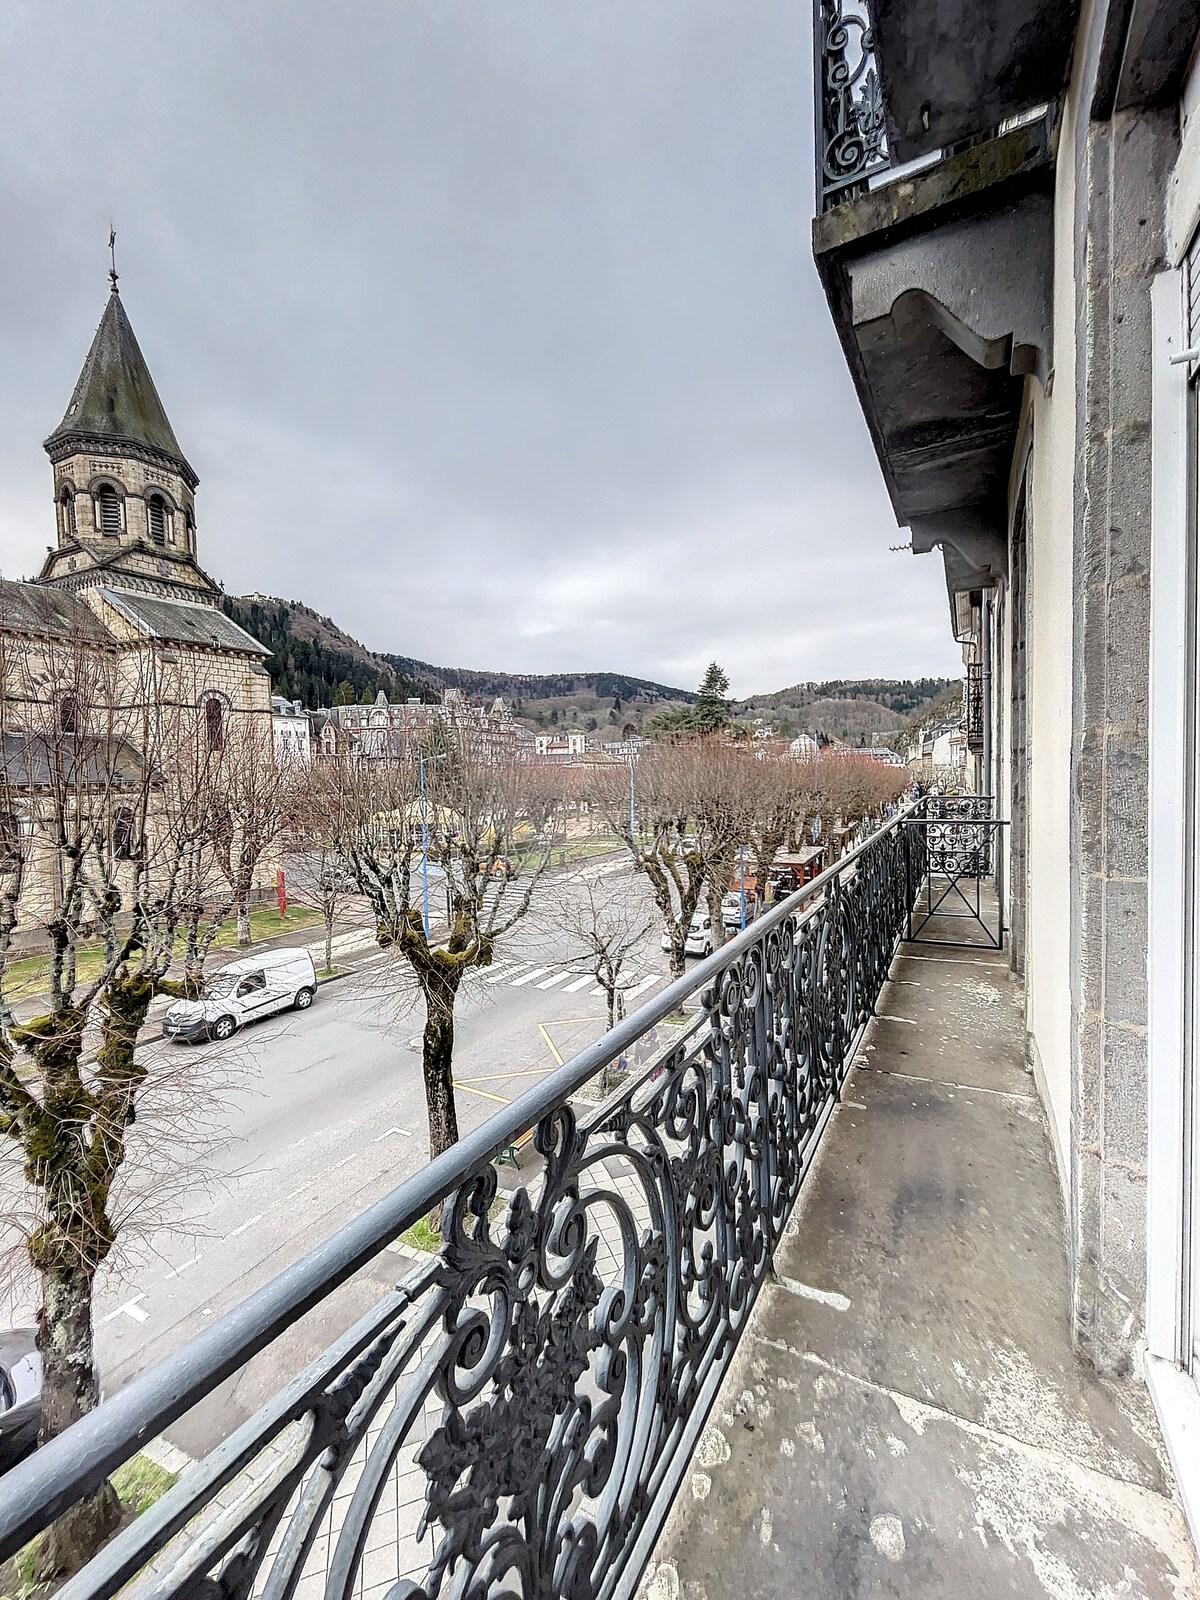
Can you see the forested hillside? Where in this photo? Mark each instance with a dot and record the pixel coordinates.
(316, 662)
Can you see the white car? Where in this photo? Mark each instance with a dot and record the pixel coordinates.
(253, 987)
(699, 941)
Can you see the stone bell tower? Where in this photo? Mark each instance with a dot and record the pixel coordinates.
(124, 492)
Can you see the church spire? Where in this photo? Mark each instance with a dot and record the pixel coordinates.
(115, 402)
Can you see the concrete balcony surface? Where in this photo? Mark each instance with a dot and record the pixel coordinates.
(905, 1415)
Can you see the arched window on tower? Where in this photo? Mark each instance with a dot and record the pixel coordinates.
(158, 519)
(66, 500)
(108, 511)
(214, 723)
(189, 538)
(68, 714)
(123, 833)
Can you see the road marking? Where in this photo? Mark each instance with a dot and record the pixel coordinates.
(580, 983)
(551, 1043)
(345, 1162)
(248, 1224)
(548, 983)
(300, 1190)
(485, 1093)
(131, 1309)
(538, 972)
(645, 983)
(506, 972)
(182, 1267)
(403, 1132)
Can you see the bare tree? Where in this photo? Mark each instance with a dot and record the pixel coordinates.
(786, 794)
(608, 929)
(250, 804)
(485, 819)
(648, 806)
(106, 819)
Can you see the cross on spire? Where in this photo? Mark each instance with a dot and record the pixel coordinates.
(112, 251)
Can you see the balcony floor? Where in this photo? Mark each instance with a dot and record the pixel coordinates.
(905, 1415)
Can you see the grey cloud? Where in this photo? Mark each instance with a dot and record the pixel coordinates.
(489, 325)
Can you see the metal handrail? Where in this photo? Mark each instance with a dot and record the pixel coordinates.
(74, 1464)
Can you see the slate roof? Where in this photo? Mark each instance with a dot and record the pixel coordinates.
(30, 760)
(180, 623)
(45, 612)
(115, 399)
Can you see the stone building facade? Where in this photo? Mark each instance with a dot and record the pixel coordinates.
(1012, 262)
(121, 601)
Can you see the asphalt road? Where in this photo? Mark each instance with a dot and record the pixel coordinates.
(277, 1139)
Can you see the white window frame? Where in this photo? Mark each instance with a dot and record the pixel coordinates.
(1175, 1392)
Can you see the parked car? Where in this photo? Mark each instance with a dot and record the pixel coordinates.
(245, 990)
(20, 1395)
(699, 941)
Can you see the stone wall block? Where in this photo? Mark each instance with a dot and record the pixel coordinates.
(1126, 927)
(1124, 1065)
(1126, 831)
(1090, 948)
(1128, 666)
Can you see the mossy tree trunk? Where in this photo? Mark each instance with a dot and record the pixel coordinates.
(75, 1145)
(66, 1248)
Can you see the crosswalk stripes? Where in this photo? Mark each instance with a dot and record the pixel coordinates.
(548, 983)
(515, 975)
(504, 973)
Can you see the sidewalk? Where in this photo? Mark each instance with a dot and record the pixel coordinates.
(906, 1416)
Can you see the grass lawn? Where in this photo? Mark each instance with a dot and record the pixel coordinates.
(139, 1483)
(31, 976)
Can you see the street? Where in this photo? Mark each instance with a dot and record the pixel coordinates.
(324, 1113)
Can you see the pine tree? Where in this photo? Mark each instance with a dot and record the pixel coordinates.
(711, 710)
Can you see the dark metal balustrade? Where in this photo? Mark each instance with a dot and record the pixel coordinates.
(543, 1380)
(851, 133)
(973, 704)
(961, 839)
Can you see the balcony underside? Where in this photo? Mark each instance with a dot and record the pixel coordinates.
(905, 1415)
(939, 285)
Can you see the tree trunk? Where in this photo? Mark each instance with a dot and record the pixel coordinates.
(243, 919)
(329, 939)
(437, 1062)
(69, 1391)
(678, 960)
(610, 991)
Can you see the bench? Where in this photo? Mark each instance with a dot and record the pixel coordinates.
(510, 1154)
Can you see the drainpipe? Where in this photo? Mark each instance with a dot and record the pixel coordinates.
(985, 655)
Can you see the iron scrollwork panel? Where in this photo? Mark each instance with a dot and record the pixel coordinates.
(539, 1384)
(851, 126)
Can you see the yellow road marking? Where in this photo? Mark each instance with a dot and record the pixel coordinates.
(486, 1093)
(550, 1042)
(503, 1077)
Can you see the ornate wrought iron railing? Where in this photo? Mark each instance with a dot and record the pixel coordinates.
(851, 131)
(515, 1417)
(973, 701)
(961, 900)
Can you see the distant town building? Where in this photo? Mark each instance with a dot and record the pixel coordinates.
(291, 731)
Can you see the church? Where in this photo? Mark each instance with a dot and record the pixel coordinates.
(125, 555)
(122, 591)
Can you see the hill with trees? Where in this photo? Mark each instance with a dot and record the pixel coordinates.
(316, 662)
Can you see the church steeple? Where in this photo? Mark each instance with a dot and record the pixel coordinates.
(115, 399)
(124, 491)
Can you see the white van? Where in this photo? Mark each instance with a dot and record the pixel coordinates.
(253, 987)
(699, 939)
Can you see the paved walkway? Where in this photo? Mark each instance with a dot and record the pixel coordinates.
(906, 1416)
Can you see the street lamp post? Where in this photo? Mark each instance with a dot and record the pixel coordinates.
(632, 803)
(742, 882)
(424, 851)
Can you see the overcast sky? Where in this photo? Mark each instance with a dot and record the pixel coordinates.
(490, 326)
